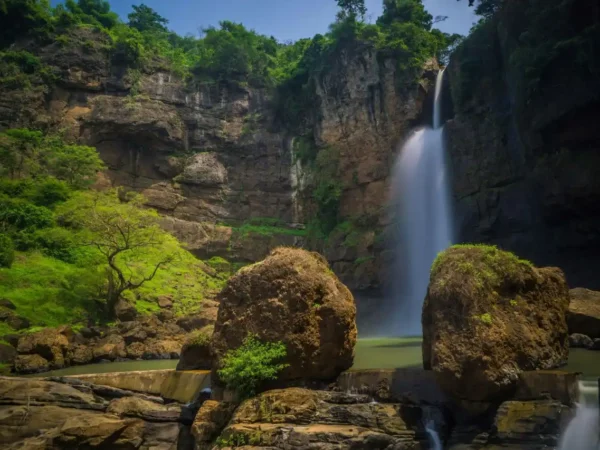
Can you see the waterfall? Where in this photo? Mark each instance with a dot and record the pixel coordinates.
(583, 432)
(421, 201)
(436, 443)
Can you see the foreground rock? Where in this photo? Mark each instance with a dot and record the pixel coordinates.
(303, 419)
(489, 316)
(292, 296)
(47, 415)
(584, 312)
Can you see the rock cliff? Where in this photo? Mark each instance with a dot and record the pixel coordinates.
(522, 137)
(209, 156)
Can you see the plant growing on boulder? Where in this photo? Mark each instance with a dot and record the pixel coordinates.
(250, 365)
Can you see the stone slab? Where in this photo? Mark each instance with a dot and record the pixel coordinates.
(181, 386)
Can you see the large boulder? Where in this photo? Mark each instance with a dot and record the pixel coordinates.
(292, 296)
(487, 317)
(584, 312)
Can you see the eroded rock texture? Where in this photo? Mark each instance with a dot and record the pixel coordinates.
(293, 297)
(489, 316)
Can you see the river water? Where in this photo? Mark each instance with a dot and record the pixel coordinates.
(377, 353)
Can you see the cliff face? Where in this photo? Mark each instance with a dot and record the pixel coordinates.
(205, 155)
(524, 142)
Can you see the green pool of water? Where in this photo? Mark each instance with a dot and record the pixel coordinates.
(376, 353)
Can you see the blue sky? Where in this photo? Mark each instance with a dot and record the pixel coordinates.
(284, 19)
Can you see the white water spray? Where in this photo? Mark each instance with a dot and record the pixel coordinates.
(583, 432)
(421, 197)
(434, 438)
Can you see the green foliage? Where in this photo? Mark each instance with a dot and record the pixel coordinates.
(328, 190)
(246, 368)
(485, 318)
(7, 250)
(266, 226)
(25, 152)
(144, 18)
(19, 214)
(353, 7)
(49, 292)
(202, 337)
(124, 234)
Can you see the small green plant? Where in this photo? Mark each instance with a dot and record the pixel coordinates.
(233, 440)
(202, 337)
(485, 318)
(247, 367)
(513, 303)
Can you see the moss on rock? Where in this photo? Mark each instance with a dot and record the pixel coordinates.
(487, 317)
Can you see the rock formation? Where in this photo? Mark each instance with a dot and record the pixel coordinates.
(487, 317)
(584, 312)
(522, 139)
(293, 297)
(206, 154)
(197, 350)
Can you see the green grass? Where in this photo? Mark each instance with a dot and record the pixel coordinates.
(49, 292)
(185, 281)
(5, 329)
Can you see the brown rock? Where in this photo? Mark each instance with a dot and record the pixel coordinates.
(136, 350)
(99, 432)
(36, 392)
(165, 301)
(31, 364)
(204, 169)
(144, 409)
(111, 347)
(7, 353)
(79, 354)
(49, 343)
(293, 297)
(487, 317)
(196, 353)
(162, 349)
(125, 311)
(577, 340)
(22, 421)
(211, 419)
(584, 312)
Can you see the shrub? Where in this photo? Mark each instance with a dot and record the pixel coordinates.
(247, 367)
(21, 214)
(7, 251)
(202, 337)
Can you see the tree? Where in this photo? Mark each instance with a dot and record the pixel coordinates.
(411, 11)
(95, 12)
(78, 165)
(355, 8)
(144, 18)
(485, 8)
(19, 152)
(126, 235)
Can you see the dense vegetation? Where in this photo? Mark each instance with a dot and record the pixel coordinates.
(246, 368)
(68, 253)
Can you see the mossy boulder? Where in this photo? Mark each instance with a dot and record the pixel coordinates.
(196, 353)
(584, 312)
(487, 317)
(292, 296)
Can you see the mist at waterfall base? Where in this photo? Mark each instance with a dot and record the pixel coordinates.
(420, 199)
(583, 431)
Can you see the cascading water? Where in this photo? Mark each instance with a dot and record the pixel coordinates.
(583, 432)
(424, 227)
(434, 438)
